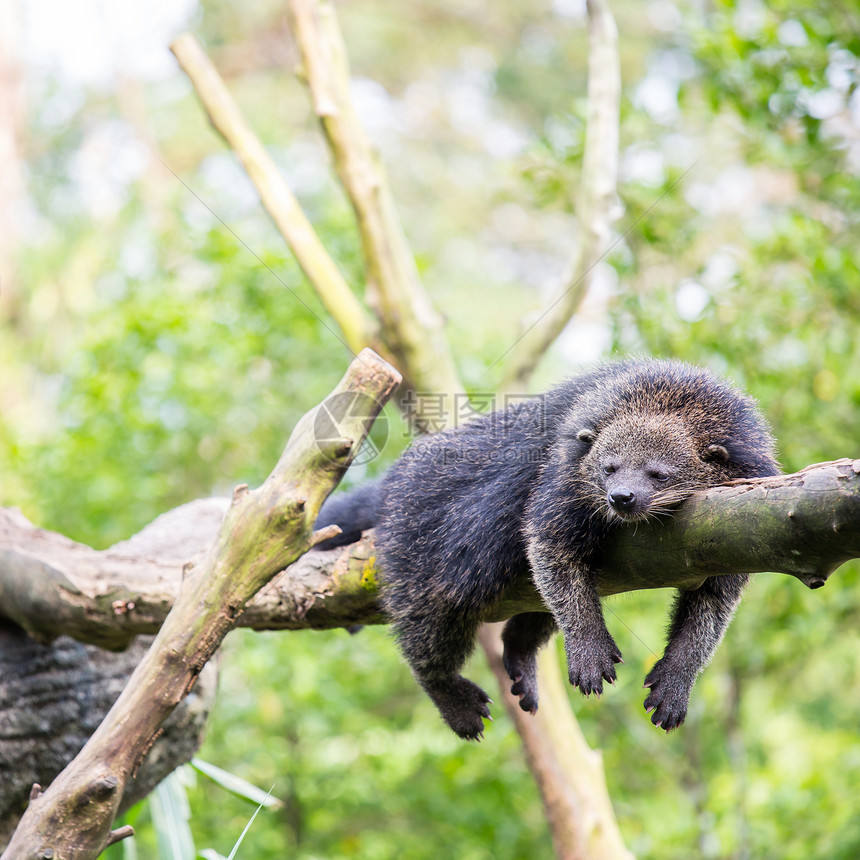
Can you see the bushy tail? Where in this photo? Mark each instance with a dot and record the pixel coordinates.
(354, 512)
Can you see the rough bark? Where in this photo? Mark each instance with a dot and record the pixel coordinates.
(804, 525)
(262, 531)
(53, 697)
(52, 586)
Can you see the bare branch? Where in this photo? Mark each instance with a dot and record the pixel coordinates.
(412, 327)
(804, 525)
(51, 586)
(262, 531)
(358, 327)
(120, 833)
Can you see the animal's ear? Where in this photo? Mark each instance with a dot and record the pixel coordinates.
(717, 454)
(586, 435)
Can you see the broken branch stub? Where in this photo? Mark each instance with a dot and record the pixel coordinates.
(263, 531)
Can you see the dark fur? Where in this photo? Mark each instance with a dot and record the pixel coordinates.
(536, 488)
(354, 512)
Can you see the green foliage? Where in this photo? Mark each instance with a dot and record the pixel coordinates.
(178, 384)
(154, 358)
(360, 758)
(771, 737)
(769, 62)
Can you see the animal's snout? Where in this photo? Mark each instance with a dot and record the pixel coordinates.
(812, 580)
(622, 499)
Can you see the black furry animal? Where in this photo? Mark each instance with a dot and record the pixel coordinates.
(534, 490)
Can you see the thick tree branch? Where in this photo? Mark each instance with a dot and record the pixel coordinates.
(107, 597)
(595, 203)
(805, 525)
(262, 531)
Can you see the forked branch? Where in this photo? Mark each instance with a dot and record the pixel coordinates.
(262, 531)
(358, 327)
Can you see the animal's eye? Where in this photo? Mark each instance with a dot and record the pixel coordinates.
(608, 470)
(658, 475)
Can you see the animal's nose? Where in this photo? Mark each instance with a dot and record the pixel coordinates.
(622, 499)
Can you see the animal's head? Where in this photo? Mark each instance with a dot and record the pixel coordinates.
(640, 466)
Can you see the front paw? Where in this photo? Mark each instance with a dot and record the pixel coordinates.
(592, 661)
(669, 695)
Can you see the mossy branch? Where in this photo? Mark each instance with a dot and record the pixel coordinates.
(262, 531)
(805, 525)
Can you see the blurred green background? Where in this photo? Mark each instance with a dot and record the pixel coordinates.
(158, 342)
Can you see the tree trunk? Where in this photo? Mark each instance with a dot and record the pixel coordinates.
(53, 697)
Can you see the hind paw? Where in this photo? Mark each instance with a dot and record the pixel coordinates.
(523, 672)
(463, 706)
